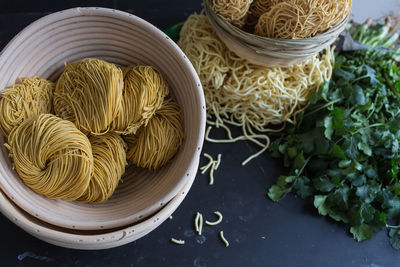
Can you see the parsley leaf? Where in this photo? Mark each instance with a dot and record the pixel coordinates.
(345, 149)
(361, 232)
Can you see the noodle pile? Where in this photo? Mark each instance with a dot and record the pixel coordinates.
(259, 7)
(164, 131)
(144, 92)
(233, 11)
(89, 94)
(24, 100)
(248, 96)
(52, 156)
(294, 19)
(284, 19)
(79, 154)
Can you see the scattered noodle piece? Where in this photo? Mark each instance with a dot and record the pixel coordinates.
(257, 99)
(178, 241)
(213, 164)
(218, 161)
(208, 165)
(198, 223)
(219, 220)
(221, 235)
(233, 11)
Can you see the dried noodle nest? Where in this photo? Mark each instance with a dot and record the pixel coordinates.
(157, 143)
(89, 94)
(144, 92)
(259, 7)
(233, 11)
(52, 156)
(109, 164)
(24, 100)
(294, 19)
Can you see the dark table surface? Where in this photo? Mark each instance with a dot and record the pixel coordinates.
(261, 233)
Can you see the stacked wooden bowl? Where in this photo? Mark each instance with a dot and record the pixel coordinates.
(144, 199)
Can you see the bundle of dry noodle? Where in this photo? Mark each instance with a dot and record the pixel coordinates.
(89, 93)
(259, 7)
(285, 19)
(233, 11)
(55, 158)
(294, 19)
(24, 100)
(245, 95)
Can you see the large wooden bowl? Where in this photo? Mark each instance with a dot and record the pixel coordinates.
(43, 47)
(97, 239)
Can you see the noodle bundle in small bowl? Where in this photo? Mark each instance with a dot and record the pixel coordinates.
(281, 33)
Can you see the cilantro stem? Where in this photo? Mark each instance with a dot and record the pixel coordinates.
(391, 85)
(360, 129)
(322, 107)
(393, 226)
(370, 126)
(304, 165)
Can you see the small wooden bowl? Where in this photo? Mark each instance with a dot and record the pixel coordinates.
(43, 47)
(270, 52)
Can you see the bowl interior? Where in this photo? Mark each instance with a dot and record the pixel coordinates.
(43, 47)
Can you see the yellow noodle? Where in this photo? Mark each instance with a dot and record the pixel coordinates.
(155, 144)
(259, 7)
(256, 99)
(218, 161)
(198, 223)
(144, 92)
(205, 168)
(233, 11)
(52, 157)
(24, 100)
(219, 220)
(293, 19)
(213, 164)
(178, 241)
(221, 235)
(109, 158)
(89, 94)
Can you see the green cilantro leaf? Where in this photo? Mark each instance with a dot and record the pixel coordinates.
(276, 193)
(361, 232)
(394, 238)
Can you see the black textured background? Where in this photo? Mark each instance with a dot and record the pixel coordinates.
(261, 233)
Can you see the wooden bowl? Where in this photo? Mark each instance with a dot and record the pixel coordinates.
(271, 52)
(43, 47)
(97, 239)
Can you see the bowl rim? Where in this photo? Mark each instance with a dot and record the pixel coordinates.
(195, 148)
(111, 239)
(239, 33)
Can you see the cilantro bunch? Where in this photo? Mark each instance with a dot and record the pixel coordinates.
(344, 151)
